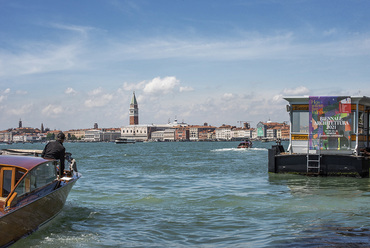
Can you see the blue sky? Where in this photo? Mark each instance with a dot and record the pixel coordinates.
(69, 64)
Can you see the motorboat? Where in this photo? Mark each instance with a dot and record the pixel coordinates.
(245, 144)
(31, 192)
(124, 141)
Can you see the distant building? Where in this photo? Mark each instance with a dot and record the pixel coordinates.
(134, 111)
(157, 135)
(77, 134)
(197, 133)
(98, 135)
(273, 130)
(181, 133)
(169, 134)
(224, 132)
(138, 132)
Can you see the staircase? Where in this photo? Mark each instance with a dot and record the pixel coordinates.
(313, 160)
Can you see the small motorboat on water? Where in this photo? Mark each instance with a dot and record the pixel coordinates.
(245, 144)
(31, 193)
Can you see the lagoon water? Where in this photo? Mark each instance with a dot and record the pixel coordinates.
(201, 194)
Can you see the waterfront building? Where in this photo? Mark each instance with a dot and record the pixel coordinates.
(273, 130)
(169, 134)
(203, 135)
(241, 133)
(181, 133)
(197, 133)
(138, 132)
(18, 138)
(271, 133)
(110, 135)
(224, 132)
(254, 133)
(93, 135)
(6, 136)
(77, 134)
(261, 130)
(157, 135)
(101, 135)
(285, 132)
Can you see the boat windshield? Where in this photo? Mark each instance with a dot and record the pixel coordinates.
(40, 176)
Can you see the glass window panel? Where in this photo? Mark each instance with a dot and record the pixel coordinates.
(300, 122)
(38, 177)
(7, 182)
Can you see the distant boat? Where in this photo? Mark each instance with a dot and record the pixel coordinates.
(245, 144)
(124, 141)
(31, 193)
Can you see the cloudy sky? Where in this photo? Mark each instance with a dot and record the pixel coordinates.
(69, 64)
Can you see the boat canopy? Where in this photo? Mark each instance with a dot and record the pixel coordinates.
(20, 175)
(331, 124)
(27, 163)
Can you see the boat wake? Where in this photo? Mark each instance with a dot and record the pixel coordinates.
(239, 149)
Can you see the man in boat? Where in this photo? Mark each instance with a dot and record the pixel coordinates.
(56, 150)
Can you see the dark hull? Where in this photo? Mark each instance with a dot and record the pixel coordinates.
(26, 219)
(330, 165)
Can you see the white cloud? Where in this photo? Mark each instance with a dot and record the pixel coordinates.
(98, 98)
(96, 91)
(98, 101)
(3, 95)
(228, 96)
(277, 98)
(74, 28)
(21, 110)
(301, 90)
(70, 91)
(2, 98)
(185, 89)
(249, 46)
(52, 110)
(161, 86)
(133, 86)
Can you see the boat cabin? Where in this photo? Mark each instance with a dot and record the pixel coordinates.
(20, 176)
(331, 124)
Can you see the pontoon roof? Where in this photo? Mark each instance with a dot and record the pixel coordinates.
(304, 99)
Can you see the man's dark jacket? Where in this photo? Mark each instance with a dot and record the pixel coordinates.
(55, 150)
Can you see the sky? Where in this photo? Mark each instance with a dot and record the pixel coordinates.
(69, 64)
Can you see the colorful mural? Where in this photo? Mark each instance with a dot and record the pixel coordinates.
(330, 122)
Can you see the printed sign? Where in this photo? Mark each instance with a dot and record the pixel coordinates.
(260, 132)
(330, 122)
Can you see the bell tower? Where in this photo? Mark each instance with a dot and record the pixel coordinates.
(134, 111)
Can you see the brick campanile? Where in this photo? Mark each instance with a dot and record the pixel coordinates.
(134, 111)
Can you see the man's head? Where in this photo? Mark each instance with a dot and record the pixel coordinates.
(61, 136)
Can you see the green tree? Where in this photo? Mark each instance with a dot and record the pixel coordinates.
(50, 136)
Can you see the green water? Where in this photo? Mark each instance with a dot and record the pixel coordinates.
(204, 194)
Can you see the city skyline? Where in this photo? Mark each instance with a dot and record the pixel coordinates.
(76, 63)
